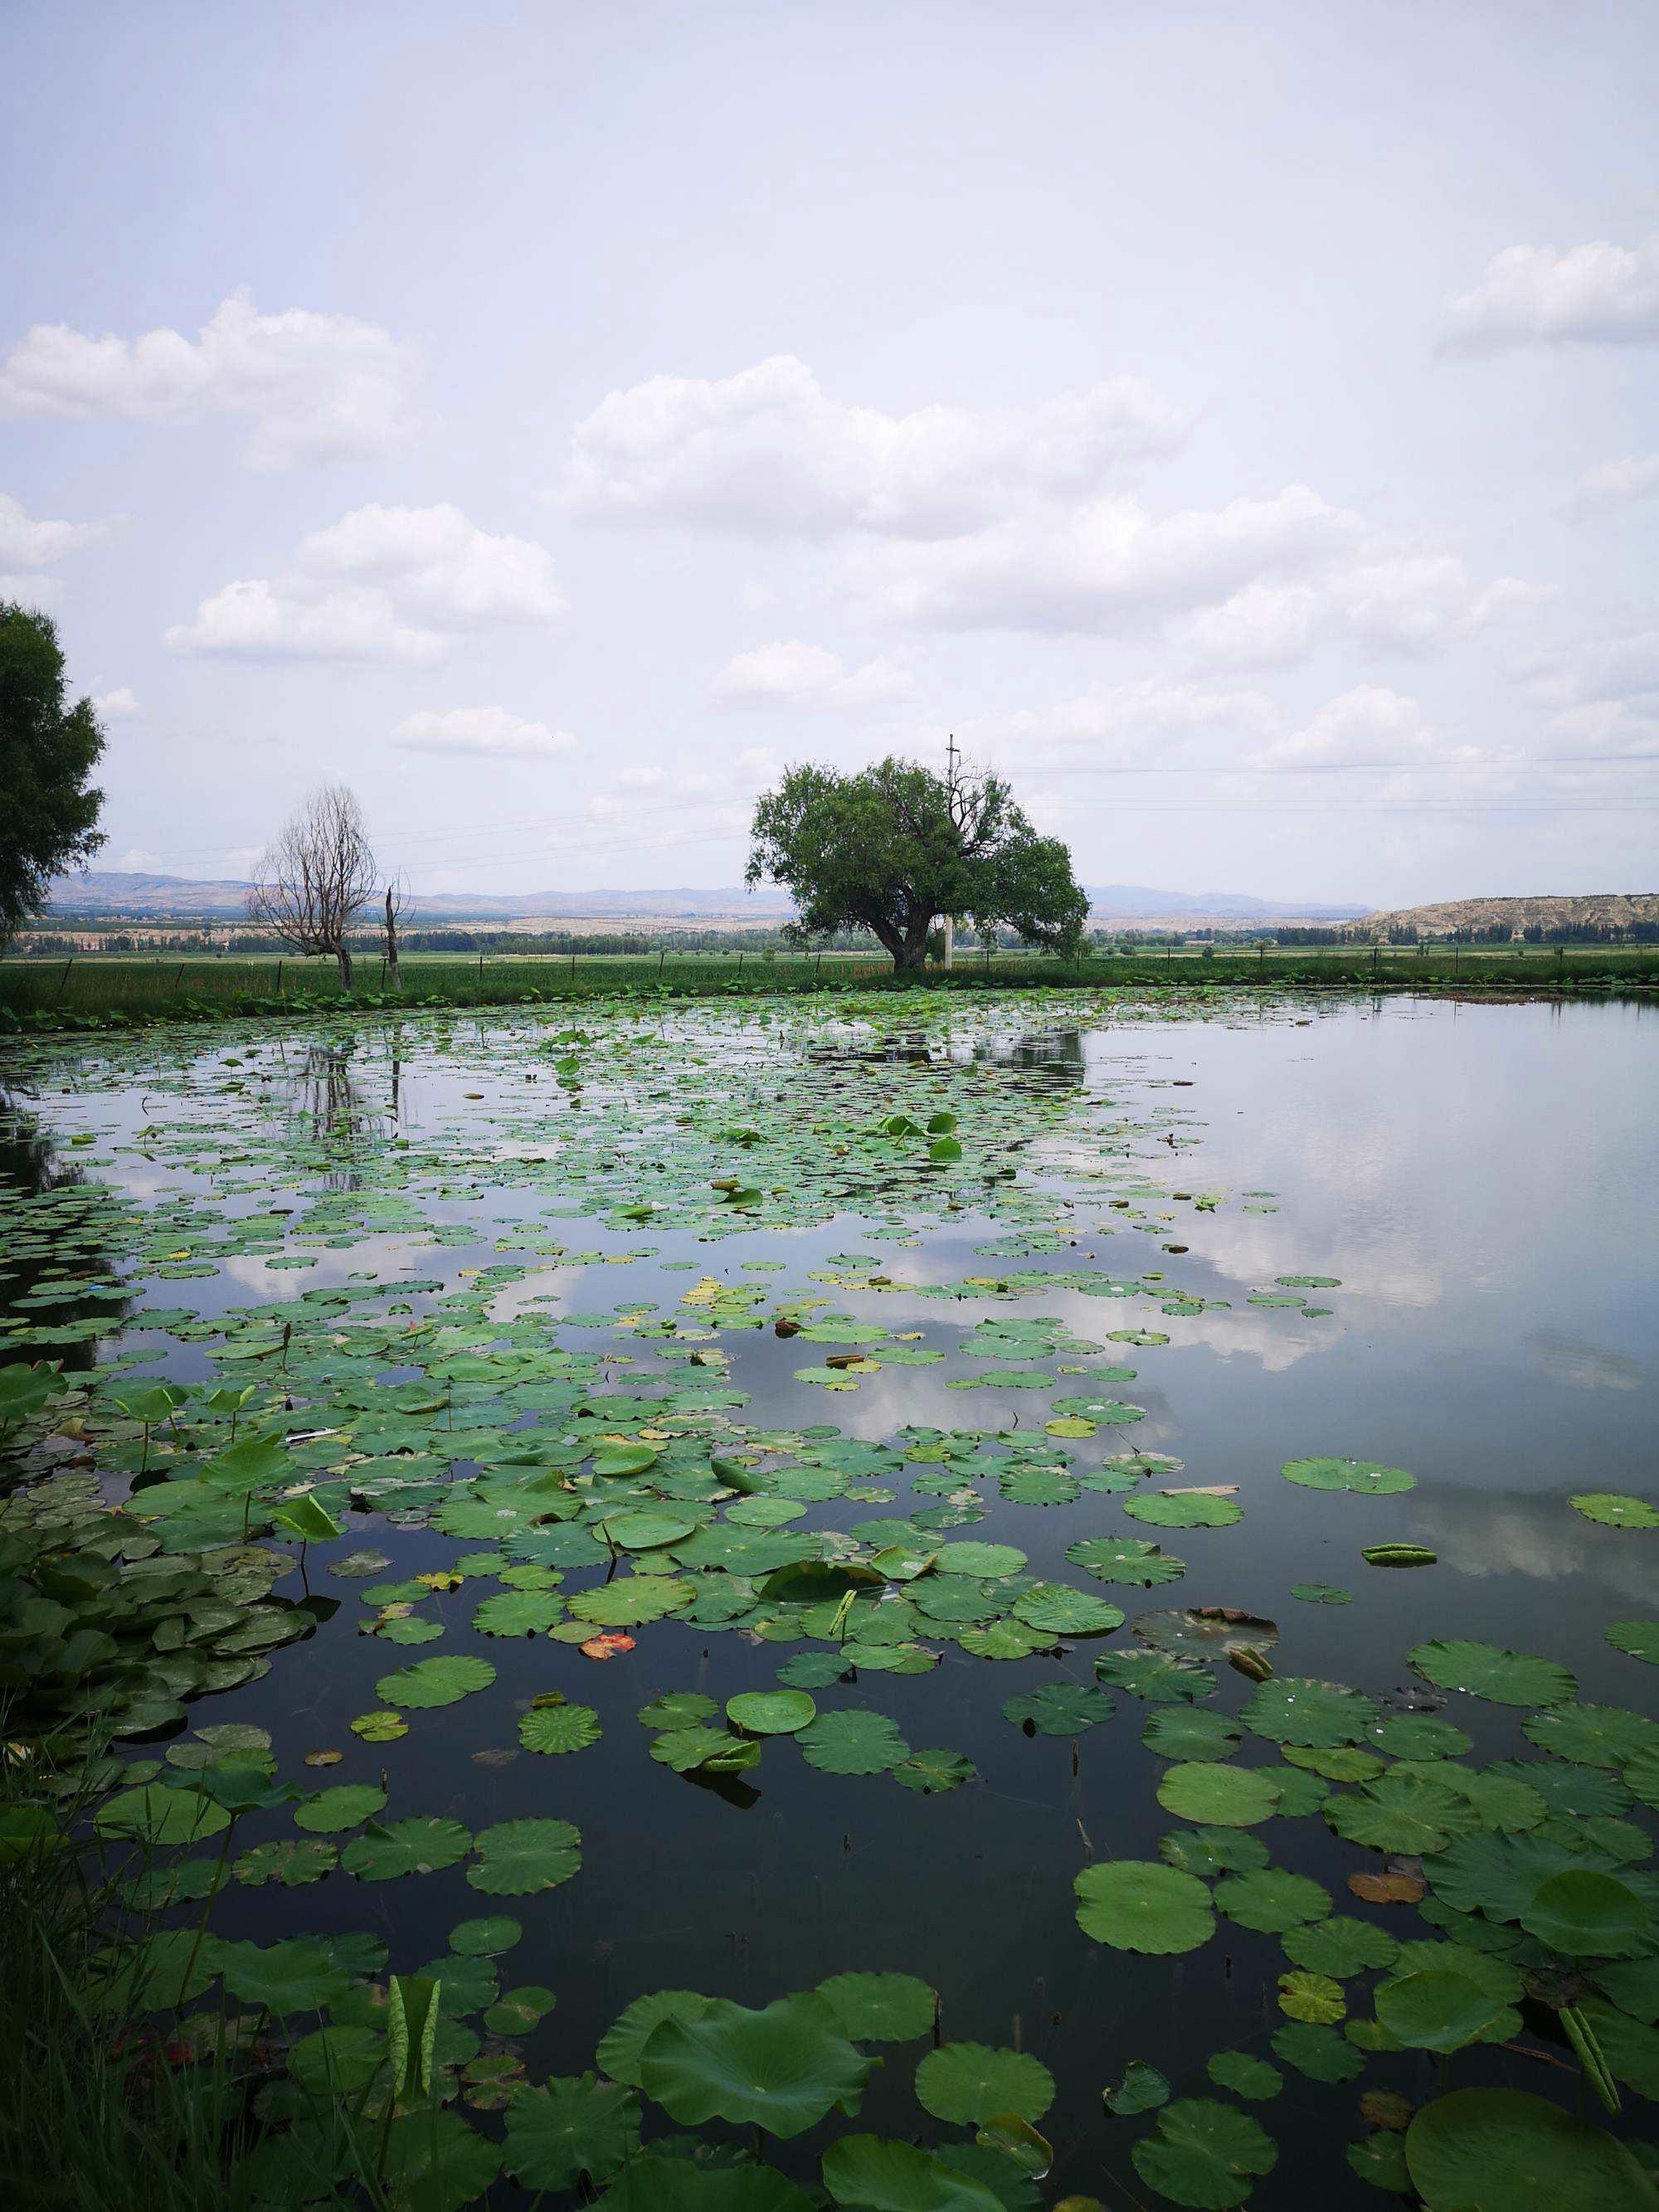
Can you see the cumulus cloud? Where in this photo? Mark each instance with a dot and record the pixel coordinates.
(791, 673)
(318, 387)
(120, 705)
(1596, 293)
(383, 584)
(1593, 671)
(487, 733)
(29, 549)
(1104, 565)
(768, 452)
(1618, 484)
(1116, 726)
(1368, 724)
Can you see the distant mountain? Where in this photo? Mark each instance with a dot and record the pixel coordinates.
(1615, 910)
(107, 893)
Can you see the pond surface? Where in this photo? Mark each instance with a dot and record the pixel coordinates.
(1146, 1256)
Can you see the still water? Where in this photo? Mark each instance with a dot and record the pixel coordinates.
(1482, 1183)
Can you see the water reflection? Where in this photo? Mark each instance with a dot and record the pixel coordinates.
(32, 1168)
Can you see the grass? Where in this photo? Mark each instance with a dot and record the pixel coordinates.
(111, 992)
(99, 2111)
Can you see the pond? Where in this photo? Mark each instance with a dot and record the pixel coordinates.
(1188, 1468)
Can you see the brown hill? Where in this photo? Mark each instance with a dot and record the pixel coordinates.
(1613, 909)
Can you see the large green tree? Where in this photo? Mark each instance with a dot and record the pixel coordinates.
(48, 749)
(896, 846)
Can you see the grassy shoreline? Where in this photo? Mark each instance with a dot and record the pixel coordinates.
(101, 993)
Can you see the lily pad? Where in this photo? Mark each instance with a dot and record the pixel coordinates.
(517, 1858)
(1204, 2153)
(1505, 2150)
(1134, 1905)
(1487, 1670)
(968, 2082)
(880, 2007)
(781, 2068)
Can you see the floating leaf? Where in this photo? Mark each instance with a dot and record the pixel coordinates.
(870, 2171)
(1142, 2089)
(970, 2081)
(414, 1846)
(1361, 1475)
(557, 1728)
(516, 1857)
(1487, 1670)
(1505, 2150)
(771, 1712)
(1582, 1914)
(1204, 2154)
(1271, 1899)
(1614, 1510)
(1136, 1905)
(853, 1742)
(1216, 1795)
(1058, 1709)
(1244, 2075)
(781, 2068)
(880, 2007)
(346, 1806)
(576, 2126)
(430, 1682)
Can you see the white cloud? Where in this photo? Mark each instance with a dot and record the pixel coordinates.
(1116, 726)
(768, 452)
(1103, 565)
(791, 673)
(1618, 484)
(489, 732)
(383, 584)
(137, 861)
(1595, 670)
(1597, 293)
(35, 547)
(120, 705)
(1370, 723)
(319, 387)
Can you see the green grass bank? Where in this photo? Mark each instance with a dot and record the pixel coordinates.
(95, 993)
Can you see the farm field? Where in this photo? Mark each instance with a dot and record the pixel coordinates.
(987, 1599)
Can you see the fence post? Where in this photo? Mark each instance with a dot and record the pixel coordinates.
(481, 967)
(280, 966)
(661, 957)
(739, 963)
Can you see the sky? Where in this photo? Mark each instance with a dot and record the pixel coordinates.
(1238, 424)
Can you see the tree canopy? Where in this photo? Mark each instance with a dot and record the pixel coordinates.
(48, 749)
(896, 846)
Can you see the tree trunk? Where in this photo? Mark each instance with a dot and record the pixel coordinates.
(343, 954)
(909, 959)
(392, 944)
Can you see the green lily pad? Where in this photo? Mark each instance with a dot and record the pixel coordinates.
(1185, 1508)
(1055, 1609)
(574, 2126)
(622, 2047)
(1134, 1905)
(1215, 1796)
(781, 2068)
(1204, 2153)
(414, 1846)
(1125, 1559)
(430, 1682)
(1359, 1475)
(880, 2007)
(876, 2175)
(485, 1938)
(853, 1742)
(346, 1806)
(1436, 2009)
(1058, 1709)
(1487, 1670)
(1614, 1511)
(1244, 2075)
(969, 2083)
(771, 1712)
(1582, 1913)
(1296, 1709)
(1341, 1946)
(1271, 1899)
(1505, 2150)
(559, 1729)
(517, 1858)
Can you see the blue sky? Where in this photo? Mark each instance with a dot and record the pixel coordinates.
(1239, 423)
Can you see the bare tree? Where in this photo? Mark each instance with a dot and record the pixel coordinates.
(397, 905)
(316, 876)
